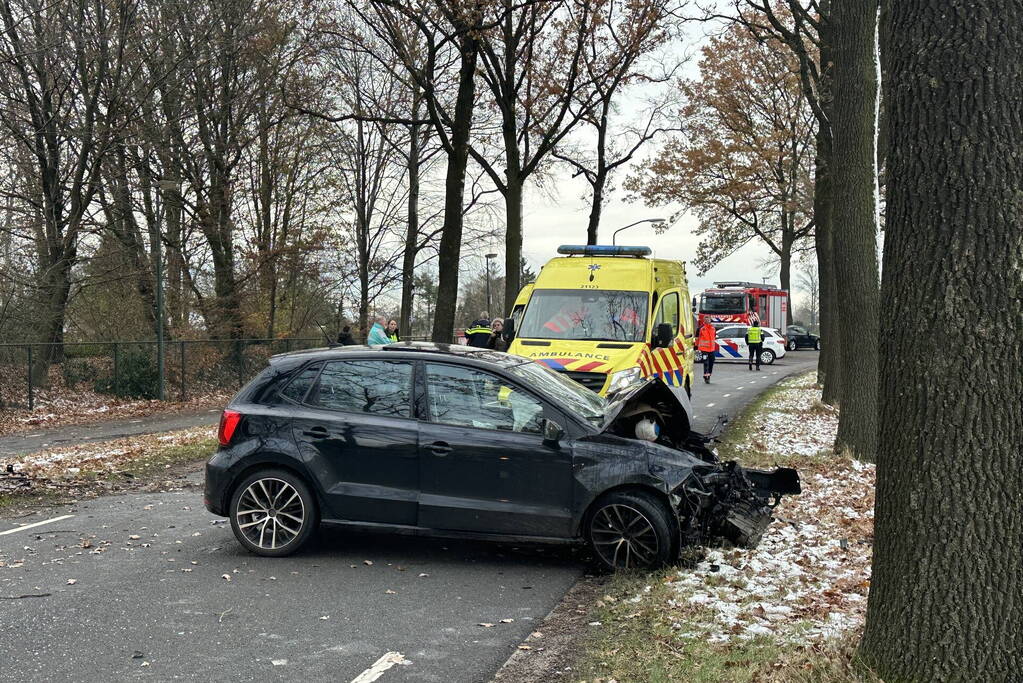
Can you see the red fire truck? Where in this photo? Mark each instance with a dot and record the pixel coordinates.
(735, 302)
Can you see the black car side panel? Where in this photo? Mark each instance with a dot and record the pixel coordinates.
(367, 465)
(493, 481)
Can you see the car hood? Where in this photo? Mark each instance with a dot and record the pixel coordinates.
(672, 403)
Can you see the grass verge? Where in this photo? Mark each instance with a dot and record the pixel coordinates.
(790, 610)
(130, 464)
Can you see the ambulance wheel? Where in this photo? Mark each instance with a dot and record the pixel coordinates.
(767, 357)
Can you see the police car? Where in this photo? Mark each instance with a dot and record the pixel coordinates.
(732, 344)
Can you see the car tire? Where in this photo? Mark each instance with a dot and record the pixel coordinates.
(273, 513)
(817, 345)
(792, 345)
(632, 530)
(767, 357)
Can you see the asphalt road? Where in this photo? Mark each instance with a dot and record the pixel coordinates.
(155, 605)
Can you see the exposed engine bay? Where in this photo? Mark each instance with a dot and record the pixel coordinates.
(719, 502)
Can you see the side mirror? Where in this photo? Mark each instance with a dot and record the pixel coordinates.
(552, 431)
(509, 329)
(662, 338)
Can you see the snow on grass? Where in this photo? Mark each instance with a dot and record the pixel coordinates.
(808, 579)
(98, 457)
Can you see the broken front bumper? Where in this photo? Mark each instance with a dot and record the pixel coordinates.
(728, 504)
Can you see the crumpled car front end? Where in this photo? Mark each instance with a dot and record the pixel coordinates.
(726, 503)
(716, 502)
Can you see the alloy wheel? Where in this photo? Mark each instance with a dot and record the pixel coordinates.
(270, 513)
(624, 537)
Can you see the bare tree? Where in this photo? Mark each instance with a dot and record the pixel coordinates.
(61, 88)
(621, 54)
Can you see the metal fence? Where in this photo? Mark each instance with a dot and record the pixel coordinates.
(132, 369)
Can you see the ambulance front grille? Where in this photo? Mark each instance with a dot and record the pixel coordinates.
(594, 381)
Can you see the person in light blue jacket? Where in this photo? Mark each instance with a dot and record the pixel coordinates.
(377, 334)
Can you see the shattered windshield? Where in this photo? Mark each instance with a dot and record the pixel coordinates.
(722, 303)
(608, 315)
(566, 392)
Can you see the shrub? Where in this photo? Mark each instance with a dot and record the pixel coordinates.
(138, 376)
(78, 370)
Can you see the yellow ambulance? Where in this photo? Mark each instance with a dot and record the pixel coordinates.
(608, 316)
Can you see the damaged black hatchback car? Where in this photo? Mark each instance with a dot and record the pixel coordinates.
(453, 441)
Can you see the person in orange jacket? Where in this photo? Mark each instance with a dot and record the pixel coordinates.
(707, 343)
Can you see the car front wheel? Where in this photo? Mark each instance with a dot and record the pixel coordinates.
(767, 356)
(817, 345)
(273, 513)
(632, 530)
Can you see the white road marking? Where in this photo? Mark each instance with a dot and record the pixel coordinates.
(385, 662)
(740, 387)
(726, 396)
(710, 405)
(35, 524)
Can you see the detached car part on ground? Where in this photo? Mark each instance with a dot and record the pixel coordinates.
(435, 440)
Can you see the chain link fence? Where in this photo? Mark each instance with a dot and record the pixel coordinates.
(131, 369)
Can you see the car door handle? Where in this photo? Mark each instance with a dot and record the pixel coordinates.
(317, 432)
(440, 448)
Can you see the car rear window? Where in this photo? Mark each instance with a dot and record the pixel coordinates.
(298, 387)
(364, 386)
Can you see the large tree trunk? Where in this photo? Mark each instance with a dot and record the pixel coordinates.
(596, 204)
(854, 239)
(454, 192)
(512, 246)
(785, 268)
(828, 375)
(408, 261)
(945, 598)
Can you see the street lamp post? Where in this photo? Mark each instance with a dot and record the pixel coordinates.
(614, 235)
(488, 257)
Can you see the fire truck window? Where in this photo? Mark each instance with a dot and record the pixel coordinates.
(763, 308)
(668, 312)
(752, 303)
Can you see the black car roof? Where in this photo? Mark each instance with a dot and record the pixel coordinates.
(404, 350)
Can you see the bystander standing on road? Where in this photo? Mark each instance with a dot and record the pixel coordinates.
(478, 333)
(755, 341)
(345, 338)
(497, 342)
(708, 346)
(378, 334)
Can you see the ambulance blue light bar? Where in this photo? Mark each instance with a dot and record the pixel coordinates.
(602, 250)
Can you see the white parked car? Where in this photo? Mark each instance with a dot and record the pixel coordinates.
(732, 345)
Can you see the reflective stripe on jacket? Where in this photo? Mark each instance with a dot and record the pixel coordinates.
(708, 339)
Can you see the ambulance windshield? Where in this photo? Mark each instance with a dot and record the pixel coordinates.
(714, 302)
(599, 315)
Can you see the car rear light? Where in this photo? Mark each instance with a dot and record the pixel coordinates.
(229, 420)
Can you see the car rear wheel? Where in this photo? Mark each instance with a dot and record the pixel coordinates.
(632, 530)
(273, 513)
(767, 356)
(792, 345)
(817, 345)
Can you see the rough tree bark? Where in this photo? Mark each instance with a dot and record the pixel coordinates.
(454, 191)
(828, 375)
(854, 238)
(945, 599)
(411, 250)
